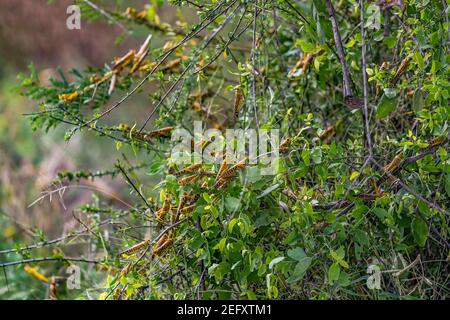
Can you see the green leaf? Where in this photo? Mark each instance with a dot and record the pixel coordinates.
(354, 175)
(350, 43)
(306, 156)
(316, 155)
(344, 279)
(221, 245)
(155, 167)
(207, 197)
(303, 263)
(419, 59)
(338, 256)
(390, 42)
(301, 267)
(253, 174)
(381, 213)
(334, 272)
(151, 13)
(275, 261)
(420, 231)
(447, 184)
(361, 237)
(385, 107)
(232, 204)
(234, 266)
(269, 190)
(305, 45)
(418, 100)
(390, 93)
(296, 254)
(232, 224)
(251, 295)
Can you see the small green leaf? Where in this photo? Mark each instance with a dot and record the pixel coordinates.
(251, 295)
(232, 224)
(447, 184)
(253, 174)
(296, 254)
(302, 266)
(390, 42)
(344, 279)
(269, 190)
(207, 197)
(420, 231)
(354, 175)
(338, 256)
(419, 59)
(316, 155)
(381, 213)
(275, 261)
(418, 100)
(234, 266)
(221, 245)
(305, 45)
(361, 237)
(350, 43)
(232, 204)
(390, 93)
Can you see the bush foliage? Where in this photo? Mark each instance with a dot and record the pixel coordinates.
(362, 183)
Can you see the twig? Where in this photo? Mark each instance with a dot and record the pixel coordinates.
(226, 45)
(191, 64)
(119, 166)
(398, 272)
(298, 12)
(387, 13)
(199, 6)
(200, 285)
(162, 58)
(60, 239)
(412, 159)
(432, 228)
(405, 162)
(106, 14)
(340, 49)
(47, 259)
(79, 186)
(255, 109)
(408, 189)
(444, 4)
